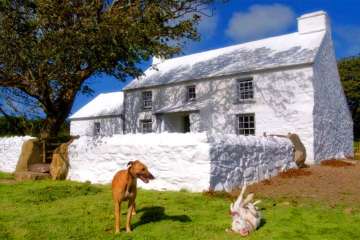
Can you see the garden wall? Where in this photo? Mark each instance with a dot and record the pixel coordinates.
(195, 162)
(10, 150)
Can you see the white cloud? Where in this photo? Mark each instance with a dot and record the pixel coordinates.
(260, 21)
(348, 39)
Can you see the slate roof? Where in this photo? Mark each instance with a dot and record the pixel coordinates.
(105, 104)
(281, 51)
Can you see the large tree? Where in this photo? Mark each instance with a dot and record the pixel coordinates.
(48, 48)
(349, 69)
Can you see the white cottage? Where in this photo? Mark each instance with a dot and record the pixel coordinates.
(282, 84)
(103, 116)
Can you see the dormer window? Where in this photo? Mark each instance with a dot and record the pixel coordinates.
(147, 99)
(191, 93)
(245, 89)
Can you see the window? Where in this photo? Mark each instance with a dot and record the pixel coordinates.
(146, 126)
(191, 93)
(147, 99)
(96, 129)
(246, 124)
(245, 89)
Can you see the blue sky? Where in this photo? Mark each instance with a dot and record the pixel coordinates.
(244, 20)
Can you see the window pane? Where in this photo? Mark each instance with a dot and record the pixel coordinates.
(147, 99)
(191, 93)
(246, 124)
(146, 126)
(245, 89)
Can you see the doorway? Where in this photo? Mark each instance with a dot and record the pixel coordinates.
(186, 124)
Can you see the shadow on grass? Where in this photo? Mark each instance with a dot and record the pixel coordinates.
(262, 223)
(157, 214)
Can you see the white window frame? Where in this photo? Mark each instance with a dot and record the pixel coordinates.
(147, 99)
(146, 126)
(191, 95)
(245, 124)
(97, 128)
(245, 89)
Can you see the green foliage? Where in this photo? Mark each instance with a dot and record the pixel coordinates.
(349, 69)
(70, 210)
(19, 126)
(49, 48)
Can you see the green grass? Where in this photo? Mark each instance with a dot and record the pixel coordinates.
(70, 210)
(7, 176)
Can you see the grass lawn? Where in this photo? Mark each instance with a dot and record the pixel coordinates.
(71, 210)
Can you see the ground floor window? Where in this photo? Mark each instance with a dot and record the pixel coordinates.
(97, 128)
(245, 124)
(146, 126)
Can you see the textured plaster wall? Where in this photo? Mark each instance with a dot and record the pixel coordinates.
(10, 150)
(333, 126)
(189, 161)
(238, 160)
(178, 161)
(108, 126)
(283, 102)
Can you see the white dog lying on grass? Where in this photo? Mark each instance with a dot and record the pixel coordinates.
(245, 215)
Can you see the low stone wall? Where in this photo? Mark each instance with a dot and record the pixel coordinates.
(195, 162)
(178, 161)
(10, 150)
(236, 160)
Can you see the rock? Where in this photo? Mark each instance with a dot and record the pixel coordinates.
(30, 154)
(59, 166)
(27, 175)
(40, 167)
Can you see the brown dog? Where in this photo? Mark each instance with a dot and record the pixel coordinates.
(124, 188)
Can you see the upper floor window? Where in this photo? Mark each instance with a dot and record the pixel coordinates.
(147, 99)
(191, 93)
(245, 124)
(146, 126)
(97, 129)
(245, 89)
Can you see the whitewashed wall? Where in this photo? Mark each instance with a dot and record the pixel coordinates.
(237, 160)
(108, 126)
(333, 125)
(178, 161)
(182, 161)
(10, 150)
(283, 102)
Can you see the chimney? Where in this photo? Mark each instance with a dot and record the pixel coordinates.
(157, 60)
(313, 22)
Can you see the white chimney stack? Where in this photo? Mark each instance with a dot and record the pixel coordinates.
(157, 60)
(313, 22)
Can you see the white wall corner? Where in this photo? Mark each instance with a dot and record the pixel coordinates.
(314, 22)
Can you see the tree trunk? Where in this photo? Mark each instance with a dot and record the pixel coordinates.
(54, 121)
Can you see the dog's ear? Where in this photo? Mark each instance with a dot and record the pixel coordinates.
(130, 163)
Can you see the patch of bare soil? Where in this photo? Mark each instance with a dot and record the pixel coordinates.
(336, 163)
(334, 185)
(294, 173)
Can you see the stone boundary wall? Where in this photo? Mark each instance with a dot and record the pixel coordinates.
(236, 160)
(195, 162)
(10, 150)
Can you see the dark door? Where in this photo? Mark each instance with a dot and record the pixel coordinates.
(186, 124)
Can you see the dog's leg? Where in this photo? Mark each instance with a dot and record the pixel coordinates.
(134, 209)
(129, 214)
(117, 212)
